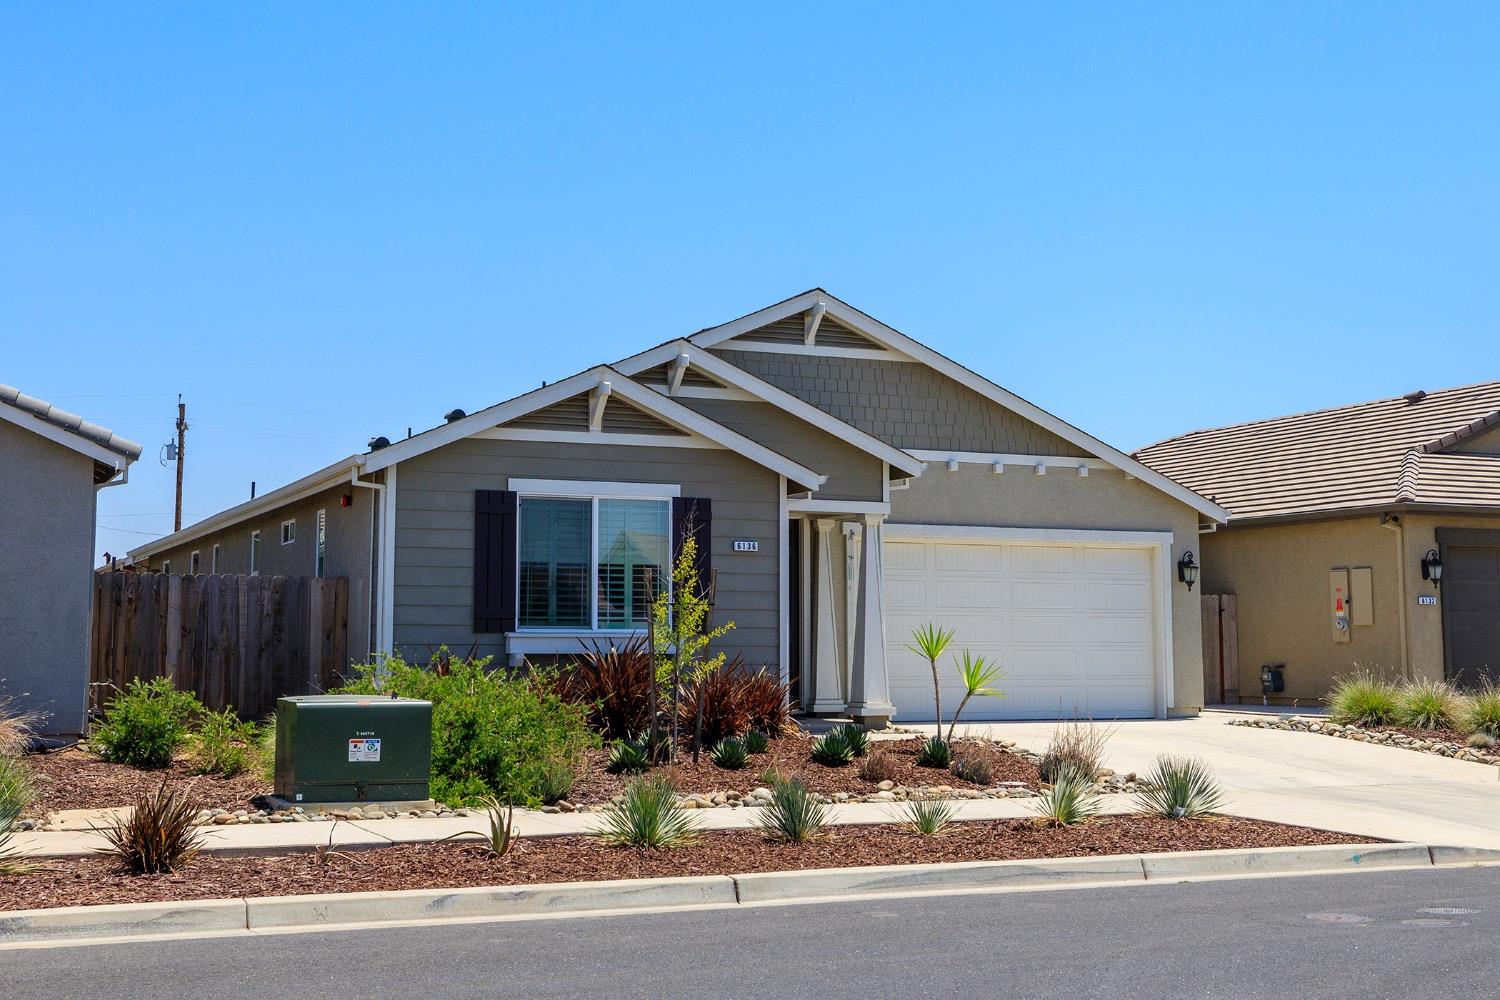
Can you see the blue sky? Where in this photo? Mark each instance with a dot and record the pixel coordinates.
(323, 222)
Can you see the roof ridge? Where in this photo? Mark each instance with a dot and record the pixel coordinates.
(1410, 475)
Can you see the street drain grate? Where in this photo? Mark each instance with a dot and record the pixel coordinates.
(1447, 911)
(1338, 918)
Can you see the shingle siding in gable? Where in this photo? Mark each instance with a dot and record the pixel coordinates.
(908, 405)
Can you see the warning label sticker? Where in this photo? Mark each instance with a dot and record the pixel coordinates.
(364, 750)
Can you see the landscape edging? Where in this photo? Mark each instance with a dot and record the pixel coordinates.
(146, 920)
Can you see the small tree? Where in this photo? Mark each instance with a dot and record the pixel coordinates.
(978, 674)
(681, 629)
(932, 642)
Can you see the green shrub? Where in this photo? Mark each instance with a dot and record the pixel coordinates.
(627, 757)
(1076, 746)
(730, 754)
(223, 745)
(15, 795)
(1428, 704)
(1181, 788)
(145, 724)
(647, 815)
(927, 817)
(1070, 799)
(793, 816)
(830, 750)
(493, 734)
(1362, 700)
(1481, 713)
(158, 834)
(879, 766)
(756, 742)
(555, 781)
(936, 752)
(975, 769)
(856, 737)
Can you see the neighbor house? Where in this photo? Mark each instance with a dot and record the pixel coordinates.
(52, 463)
(1365, 537)
(847, 483)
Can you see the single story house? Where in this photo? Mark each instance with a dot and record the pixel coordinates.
(1365, 537)
(848, 482)
(52, 464)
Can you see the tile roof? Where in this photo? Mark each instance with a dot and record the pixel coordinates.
(70, 422)
(1385, 452)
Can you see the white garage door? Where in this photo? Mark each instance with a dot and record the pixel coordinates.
(1072, 626)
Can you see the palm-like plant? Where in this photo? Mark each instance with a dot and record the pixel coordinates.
(932, 642)
(978, 674)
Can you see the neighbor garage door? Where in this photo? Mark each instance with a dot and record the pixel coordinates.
(1471, 613)
(1073, 626)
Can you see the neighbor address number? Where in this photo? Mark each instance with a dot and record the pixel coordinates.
(746, 545)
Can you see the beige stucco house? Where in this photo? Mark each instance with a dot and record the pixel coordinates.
(848, 483)
(1365, 537)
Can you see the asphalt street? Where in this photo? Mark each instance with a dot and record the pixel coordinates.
(1427, 933)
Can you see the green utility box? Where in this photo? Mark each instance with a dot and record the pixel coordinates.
(352, 748)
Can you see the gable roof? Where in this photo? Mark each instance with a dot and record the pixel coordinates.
(731, 375)
(898, 345)
(1367, 455)
(110, 451)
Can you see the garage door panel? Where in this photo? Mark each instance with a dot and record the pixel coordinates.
(1071, 626)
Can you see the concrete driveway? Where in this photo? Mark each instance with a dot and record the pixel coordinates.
(1307, 778)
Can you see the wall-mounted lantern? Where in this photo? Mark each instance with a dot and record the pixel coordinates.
(1187, 570)
(1432, 567)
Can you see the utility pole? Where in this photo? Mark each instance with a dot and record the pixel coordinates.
(182, 427)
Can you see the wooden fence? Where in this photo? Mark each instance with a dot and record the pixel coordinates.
(1221, 650)
(240, 641)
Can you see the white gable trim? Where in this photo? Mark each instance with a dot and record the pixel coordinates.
(893, 339)
(757, 388)
(64, 437)
(595, 437)
(812, 350)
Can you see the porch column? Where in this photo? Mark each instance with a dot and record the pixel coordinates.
(828, 687)
(869, 684)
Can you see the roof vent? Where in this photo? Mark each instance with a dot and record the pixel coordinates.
(1415, 397)
(454, 414)
(377, 443)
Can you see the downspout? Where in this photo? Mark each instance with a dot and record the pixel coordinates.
(1393, 521)
(379, 488)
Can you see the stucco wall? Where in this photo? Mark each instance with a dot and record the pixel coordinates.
(46, 552)
(1279, 574)
(435, 532)
(346, 552)
(1103, 500)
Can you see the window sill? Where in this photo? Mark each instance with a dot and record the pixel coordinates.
(525, 643)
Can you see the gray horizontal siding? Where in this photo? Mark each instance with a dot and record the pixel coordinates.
(435, 532)
(905, 404)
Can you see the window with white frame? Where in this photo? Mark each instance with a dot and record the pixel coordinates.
(166, 567)
(213, 558)
(194, 561)
(585, 561)
(255, 553)
(320, 541)
(288, 531)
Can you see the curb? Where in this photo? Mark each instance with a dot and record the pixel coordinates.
(197, 917)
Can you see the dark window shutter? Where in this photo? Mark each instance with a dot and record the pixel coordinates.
(494, 561)
(694, 514)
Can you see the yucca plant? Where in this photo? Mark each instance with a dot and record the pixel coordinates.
(15, 794)
(1481, 713)
(793, 816)
(927, 817)
(756, 741)
(159, 834)
(977, 674)
(628, 757)
(1362, 699)
(975, 769)
(555, 781)
(1180, 788)
(930, 643)
(730, 754)
(830, 750)
(857, 737)
(1070, 800)
(936, 752)
(1428, 704)
(647, 815)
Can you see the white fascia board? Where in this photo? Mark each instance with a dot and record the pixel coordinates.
(982, 534)
(588, 488)
(332, 475)
(994, 458)
(802, 506)
(764, 391)
(893, 339)
(595, 437)
(61, 435)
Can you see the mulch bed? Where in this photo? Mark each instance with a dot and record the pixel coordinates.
(87, 881)
(790, 754)
(76, 779)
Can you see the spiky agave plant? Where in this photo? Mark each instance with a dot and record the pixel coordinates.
(793, 816)
(927, 817)
(756, 741)
(628, 757)
(831, 750)
(647, 815)
(730, 754)
(1070, 800)
(855, 736)
(1180, 788)
(936, 752)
